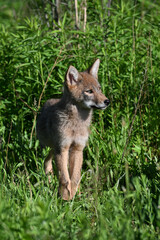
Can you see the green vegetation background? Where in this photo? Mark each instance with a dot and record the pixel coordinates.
(121, 172)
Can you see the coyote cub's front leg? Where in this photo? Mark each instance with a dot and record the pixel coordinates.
(63, 174)
(75, 165)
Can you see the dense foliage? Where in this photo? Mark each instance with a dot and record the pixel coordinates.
(121, 171)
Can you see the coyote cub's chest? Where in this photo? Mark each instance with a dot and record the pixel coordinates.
(74, 128)
(63, 125)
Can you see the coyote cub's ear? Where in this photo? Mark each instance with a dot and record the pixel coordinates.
(93, 70)
(63, 125)
(72, 76)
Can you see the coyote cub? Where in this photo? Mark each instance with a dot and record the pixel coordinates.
(63, 125)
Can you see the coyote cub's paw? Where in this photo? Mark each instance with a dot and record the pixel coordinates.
(65, 191)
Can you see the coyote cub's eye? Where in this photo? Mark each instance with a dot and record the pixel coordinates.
(89, 91)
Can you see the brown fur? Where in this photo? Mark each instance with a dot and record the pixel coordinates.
(63, 125)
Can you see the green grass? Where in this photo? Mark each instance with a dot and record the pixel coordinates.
(121, 171)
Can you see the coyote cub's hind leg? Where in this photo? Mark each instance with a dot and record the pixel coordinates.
(48, 163)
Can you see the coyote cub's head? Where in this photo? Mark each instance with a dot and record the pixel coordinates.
(84, 87)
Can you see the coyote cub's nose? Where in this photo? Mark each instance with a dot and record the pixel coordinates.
(106, 102)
